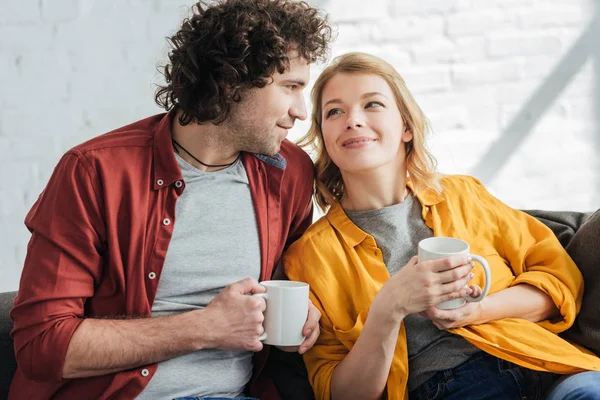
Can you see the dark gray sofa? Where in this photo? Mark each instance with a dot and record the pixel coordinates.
(583, 246)
(8, 364)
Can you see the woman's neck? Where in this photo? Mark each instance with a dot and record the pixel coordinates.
(374, 189)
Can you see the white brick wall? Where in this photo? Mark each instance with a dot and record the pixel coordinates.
(73, 69)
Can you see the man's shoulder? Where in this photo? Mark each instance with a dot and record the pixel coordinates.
(296, 157)
(136, 134)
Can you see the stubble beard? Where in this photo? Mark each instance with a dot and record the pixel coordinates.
(251, 139)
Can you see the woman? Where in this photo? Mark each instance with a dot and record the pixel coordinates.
(381, 334)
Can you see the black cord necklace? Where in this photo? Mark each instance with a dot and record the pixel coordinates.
(205, 164)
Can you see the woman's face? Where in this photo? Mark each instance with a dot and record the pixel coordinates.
(361, 124)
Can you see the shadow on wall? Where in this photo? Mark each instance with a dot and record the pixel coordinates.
(585, 48)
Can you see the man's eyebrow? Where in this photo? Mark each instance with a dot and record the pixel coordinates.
(298, 82)
(364, 96)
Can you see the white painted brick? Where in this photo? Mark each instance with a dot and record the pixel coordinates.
(407, 30)
(428, 7)
(539, 66)
(57, 93)
(59, 11)
(427, 79)
(523, 44)
(484, 73)
(357, 10)
(553, 16)
(13, 12)
(352, 34)
(26, 37)
(478, 23)
(393, 54)
(498, 5)
(443, 50)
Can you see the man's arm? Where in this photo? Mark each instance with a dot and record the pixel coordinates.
(231, 321)
(64, 263)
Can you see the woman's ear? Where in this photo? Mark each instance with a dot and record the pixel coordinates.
(407, 135)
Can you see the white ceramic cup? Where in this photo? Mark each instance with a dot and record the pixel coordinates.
(434, 248)
(286, 313)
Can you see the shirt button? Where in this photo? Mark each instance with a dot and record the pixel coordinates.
(145, 372)
(166, 221)
(151, 275)
(178, 184)
(159, 182)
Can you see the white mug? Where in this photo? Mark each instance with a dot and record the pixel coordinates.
(286, 313)
(434, 248)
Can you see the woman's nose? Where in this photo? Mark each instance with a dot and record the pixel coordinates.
(353, 122)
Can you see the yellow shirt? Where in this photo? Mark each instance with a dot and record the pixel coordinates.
(345, 270)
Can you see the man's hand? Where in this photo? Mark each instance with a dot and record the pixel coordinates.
(468, 314)
(234, 319)
(310, 331)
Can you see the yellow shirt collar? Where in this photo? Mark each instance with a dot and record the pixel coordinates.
(353, 235)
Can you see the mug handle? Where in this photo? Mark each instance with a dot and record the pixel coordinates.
(262, 337)
(488, 278)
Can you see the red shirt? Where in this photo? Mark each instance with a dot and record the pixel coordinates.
(100, 228)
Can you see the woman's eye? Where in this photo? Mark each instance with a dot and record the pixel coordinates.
(333, 111)
(373, 104)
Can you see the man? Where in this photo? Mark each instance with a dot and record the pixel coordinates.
(175, 217)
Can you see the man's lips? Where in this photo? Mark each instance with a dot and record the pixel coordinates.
(357, 140)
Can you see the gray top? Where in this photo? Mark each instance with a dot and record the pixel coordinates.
(215, 243)
(397, 230)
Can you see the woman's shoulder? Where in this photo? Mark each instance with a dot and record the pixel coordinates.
(321, 233)
(460, 182)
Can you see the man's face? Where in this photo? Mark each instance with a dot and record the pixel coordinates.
(262, 119)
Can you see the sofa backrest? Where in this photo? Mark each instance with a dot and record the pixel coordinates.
(8, 365)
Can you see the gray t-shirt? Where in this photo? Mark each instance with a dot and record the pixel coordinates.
(215, 243)
(397, 230)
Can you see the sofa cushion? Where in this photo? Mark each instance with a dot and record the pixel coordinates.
(584, 249)
(8, 365)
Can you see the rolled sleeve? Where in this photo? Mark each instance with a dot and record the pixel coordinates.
(537, 258)
(63, 263)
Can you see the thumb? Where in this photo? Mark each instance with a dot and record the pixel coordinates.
(414, 260)
(476, 291)
(248, 285)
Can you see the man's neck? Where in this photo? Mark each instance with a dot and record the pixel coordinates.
(206, 142)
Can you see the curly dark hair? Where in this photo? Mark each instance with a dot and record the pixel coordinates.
(232, 45)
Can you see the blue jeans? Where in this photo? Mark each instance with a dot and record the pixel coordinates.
(582, 386)
(485, 377)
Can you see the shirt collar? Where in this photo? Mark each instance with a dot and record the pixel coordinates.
(353, 235)
(166, 169)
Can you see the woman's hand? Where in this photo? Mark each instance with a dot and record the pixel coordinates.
(310, 331)
(468, 314)
(419, 286)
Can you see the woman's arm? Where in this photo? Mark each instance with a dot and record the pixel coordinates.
(521, 301)
(363, 373)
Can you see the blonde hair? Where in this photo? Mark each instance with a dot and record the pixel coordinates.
(420, 163)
